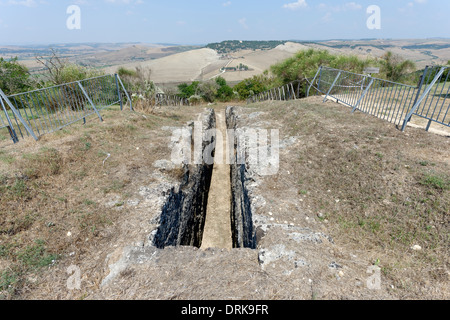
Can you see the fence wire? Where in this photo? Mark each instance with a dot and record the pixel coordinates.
(159, 99)
(290, 91)
(393, 102)
(384, 99)
(47, 110)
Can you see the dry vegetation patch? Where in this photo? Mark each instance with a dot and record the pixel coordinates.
(64, 195)
(376, 189)
(352, 191)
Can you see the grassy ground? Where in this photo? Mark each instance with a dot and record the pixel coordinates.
(64, 193)
(375, 188)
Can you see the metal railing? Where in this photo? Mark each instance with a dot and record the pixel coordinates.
(290, 91)
(160, 99)
(47, 110)
(433, 93)
(387, 100)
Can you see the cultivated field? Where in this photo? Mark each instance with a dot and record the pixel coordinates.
(174, 64)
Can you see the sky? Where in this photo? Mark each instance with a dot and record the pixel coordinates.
(195, 22)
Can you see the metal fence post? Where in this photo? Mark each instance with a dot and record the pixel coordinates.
(16, 115)
(126, 92)
(419, 101)
(10, 127)
(118, 91)
(90, 100)
(331, 88)
(320, 78)
(315, 77)
(419, 87)
(363, 95)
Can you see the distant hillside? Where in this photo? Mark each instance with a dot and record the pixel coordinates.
(172, 64)
(225, 47)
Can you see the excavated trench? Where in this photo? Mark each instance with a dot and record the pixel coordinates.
(211, 207)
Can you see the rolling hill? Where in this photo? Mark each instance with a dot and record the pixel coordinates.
(175, 64)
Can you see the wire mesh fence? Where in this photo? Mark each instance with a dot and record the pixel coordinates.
(47, 110)
(159, 99)
(384, 99)
(433, 93)
(387, 100)
(290, 91)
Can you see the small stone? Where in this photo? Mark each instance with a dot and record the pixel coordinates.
(69, 234)
(334, 265)
(341, 274)
(416, 248)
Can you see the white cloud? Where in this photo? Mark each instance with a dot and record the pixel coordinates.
(26, 3)
(243, 23)
(296, 5)
(410, 6)
(353, 6)
(125, 1)
(327, 17)
(226, 4)
(349, 6)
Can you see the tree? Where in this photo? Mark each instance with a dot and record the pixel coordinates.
(59, 70)
(208, 90)
(395, 67)
(306, 63)
(225, 92)
(138, 80)
(251, 86)
(187, 91)
(14, 77)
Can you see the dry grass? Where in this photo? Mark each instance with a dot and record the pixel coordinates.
(63, 195)
(375, 188)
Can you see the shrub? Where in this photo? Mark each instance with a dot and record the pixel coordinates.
(395, 68)
(224, 92)
(252, 86)
(186, 91)
(138, 81)
(195, 99)
(14, 78)
(306, 63)
(208, 91)
(59, 71)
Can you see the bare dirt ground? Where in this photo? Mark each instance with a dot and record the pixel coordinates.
(353, 195)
